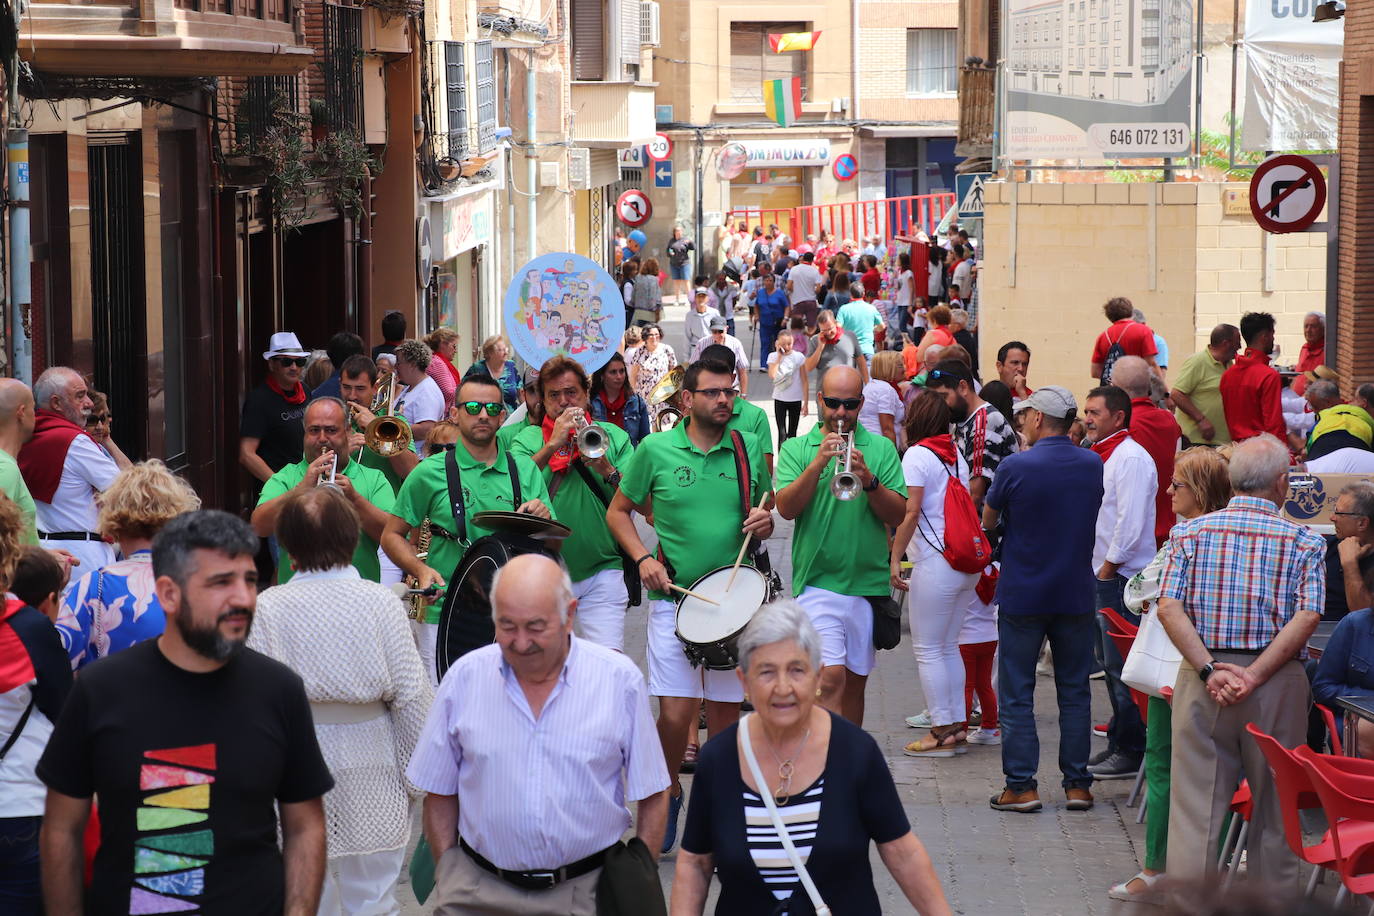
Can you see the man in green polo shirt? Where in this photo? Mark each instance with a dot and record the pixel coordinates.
(358, 385)
(750, 419)
(16, 428)
(581, 490)
(834, 586)
(534, 410)
(326, 436)
(1197, 389)
(688, 476)
(486, 482)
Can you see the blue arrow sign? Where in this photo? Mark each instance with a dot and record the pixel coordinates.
(663, 173)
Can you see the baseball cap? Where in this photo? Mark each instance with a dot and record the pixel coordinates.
(531, 378)
(1052, 401)
(702, 291)
(719, 323)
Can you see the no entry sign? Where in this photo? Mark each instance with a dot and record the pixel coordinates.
(1287, 193)
(633, 207)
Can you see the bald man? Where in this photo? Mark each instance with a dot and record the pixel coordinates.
(65, 469)
(532, 748)
(16, 428)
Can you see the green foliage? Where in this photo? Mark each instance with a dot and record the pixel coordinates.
(344, 163)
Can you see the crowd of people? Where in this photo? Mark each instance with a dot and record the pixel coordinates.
(202, 712)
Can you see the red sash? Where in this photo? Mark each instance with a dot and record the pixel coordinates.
(42, 458)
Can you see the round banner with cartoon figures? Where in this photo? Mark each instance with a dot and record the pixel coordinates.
(564, 305)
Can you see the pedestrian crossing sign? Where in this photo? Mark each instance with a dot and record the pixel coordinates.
(969, 189)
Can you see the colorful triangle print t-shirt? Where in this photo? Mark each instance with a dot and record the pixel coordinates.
(188, 769)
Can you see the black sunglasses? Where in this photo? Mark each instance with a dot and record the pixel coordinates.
(475, 407)
(290, 360)
(846, 403)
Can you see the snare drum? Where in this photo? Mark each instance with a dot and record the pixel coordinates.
(710, 632)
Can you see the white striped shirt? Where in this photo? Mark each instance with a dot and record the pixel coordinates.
(801, 815)
(537, 794)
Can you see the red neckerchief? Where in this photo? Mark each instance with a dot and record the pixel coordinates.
(295, 397)
(615, 409)
(16, 667)
(942, 445)
(563, 457)
(42, 458)
(894, 387)
(1108, 445)
(447, 362)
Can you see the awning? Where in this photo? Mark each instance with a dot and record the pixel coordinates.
(943, 129)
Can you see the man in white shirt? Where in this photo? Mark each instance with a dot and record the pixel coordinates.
(719, 335)
(802, 282)
(723, 294)
(64, 468)
(420, 401)
(1125, 544)
(533, 747)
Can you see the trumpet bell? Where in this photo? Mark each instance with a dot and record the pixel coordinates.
(668, 386)
(388, 436)
(666, 419)
(591, 442)
(845, 485)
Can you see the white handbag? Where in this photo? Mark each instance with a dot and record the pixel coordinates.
(783, 835)
(1152, 664)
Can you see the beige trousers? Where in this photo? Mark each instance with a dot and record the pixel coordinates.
(1212, 752)
(464, 888)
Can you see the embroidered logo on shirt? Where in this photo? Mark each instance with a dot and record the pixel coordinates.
(685, 476)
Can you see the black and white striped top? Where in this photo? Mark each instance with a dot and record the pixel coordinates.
(801, 814)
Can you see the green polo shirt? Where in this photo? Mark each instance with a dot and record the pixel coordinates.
(591, 547)
(751, 418)
(371, 485)
(838, 545)
(695, 497)
(424, 495)
(506, 434)
(1200, 379)
(12, 485)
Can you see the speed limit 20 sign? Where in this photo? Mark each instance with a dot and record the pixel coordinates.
(659, 148)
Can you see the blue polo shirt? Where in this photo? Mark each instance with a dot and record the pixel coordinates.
(1048, 495)
(771, 305)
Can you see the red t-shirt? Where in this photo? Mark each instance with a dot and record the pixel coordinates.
(1136, 339)
(1158, 433)
(1252, 396)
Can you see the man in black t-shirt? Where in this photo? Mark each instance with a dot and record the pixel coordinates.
(271, 431)
(191, 741)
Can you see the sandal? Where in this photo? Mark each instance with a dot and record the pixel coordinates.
(1148, 894)
(943, 741)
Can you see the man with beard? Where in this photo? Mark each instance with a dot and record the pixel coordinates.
(192, 743)
(985, 437)
(687, 476)
(490, 477)
(358, 386)
(328, 462)
(835, 595)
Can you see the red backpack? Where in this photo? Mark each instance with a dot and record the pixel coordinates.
(966, 547)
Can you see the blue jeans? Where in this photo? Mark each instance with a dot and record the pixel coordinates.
(21, 891)
(1126, 732)
(1071, 639)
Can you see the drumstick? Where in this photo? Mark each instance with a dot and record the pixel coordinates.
(743, 547)
(691, 594)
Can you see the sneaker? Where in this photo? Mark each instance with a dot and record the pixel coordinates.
(976, 718)
(1100, 756)
(1022, 802)
(674, 809)
(1118, 766)
(920, 720)
(1078, 799)
(990, 736)
(1100, 730)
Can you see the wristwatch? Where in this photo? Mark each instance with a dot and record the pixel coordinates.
(1206, 671)
(871, 485)
(613, 480)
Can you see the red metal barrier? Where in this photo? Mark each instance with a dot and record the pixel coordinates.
(887, 217)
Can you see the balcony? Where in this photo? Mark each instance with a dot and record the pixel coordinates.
(977, 111)
(164, 38)
(612, 115)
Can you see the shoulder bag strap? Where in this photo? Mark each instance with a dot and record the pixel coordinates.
(741, 470)
(455, 495)
(514, 481)
(747, 748)
(93, 646)
(19, 727)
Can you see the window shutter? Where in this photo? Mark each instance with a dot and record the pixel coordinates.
(456, 85)
(484, 59)
(629, 31)
(589, 39)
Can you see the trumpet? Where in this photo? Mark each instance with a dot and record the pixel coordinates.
(324, 481)
(590, 439)
(388, 434)
(666, 419)
(845, 485)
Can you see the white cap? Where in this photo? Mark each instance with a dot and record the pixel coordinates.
(284, 343)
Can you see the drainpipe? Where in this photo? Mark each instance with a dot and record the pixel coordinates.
(854, 56)
(364, 260)
(509, 156)
(21, 330)
(531, 159)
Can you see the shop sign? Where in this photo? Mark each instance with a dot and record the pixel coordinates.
(465, 223)
(782, 153)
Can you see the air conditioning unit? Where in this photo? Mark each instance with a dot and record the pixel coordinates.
(549, 174)
(649, 31)
(579, 168)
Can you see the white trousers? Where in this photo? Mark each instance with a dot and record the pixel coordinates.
(427, 641)
(602, 600)
(939, 598)
(362, 885)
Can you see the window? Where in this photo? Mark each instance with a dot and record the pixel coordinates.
(588, 40)
(456, 98)
(484, 62)
(752, 61)
(343, 65)
(931, 66)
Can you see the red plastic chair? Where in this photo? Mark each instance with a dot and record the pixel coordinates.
(1329, 718)
(1142, 702)
(1296, 792)
(1121, 623)
(1351, 818)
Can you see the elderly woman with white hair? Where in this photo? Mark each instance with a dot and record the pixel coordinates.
(811, 763)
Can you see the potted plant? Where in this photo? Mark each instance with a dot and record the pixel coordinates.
(319, 121)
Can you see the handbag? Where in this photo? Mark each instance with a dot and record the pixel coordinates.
(629, 884)
(887, 621)
(1153, 662)
(803, 875)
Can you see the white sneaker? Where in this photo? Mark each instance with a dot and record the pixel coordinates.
(920, 720)
(985, 736)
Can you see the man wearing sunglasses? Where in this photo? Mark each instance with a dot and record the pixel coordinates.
(581, 489)
(687, 477)
(271, 430)
(836, 592)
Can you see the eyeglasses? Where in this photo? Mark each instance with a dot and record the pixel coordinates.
(1177, 485)
(285, 361)
(712, 393)
(837, 403)
(475, 407)
(1351, 514)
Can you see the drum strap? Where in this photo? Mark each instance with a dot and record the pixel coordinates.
(455, 493)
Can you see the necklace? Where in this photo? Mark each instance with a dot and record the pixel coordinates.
(786, 769)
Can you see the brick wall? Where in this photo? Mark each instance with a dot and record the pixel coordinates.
(1355, 325)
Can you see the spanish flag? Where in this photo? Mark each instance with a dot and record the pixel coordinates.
(782, 100)
(792, 41)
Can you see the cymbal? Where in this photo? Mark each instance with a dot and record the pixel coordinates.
(531, 526)
(669, 385)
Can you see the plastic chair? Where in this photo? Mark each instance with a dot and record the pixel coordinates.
(1351, 817)
(1329, 718)
(1121, 623)
(1242, 807)
(1123, 644)
(1296, 792)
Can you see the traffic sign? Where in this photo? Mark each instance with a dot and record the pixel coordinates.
(634, 157)
(1287, 193)
(633, 207)
(968, 188)
(845, 167)
(660, 147)
(663, 174)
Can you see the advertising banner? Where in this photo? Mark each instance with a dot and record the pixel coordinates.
(1291, 85)
(1095, 79)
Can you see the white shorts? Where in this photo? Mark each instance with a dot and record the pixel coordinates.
(601, 603)
(672, 675)
(845, 624)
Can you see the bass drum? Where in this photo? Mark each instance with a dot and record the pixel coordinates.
(710, 632)
(465, 621)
